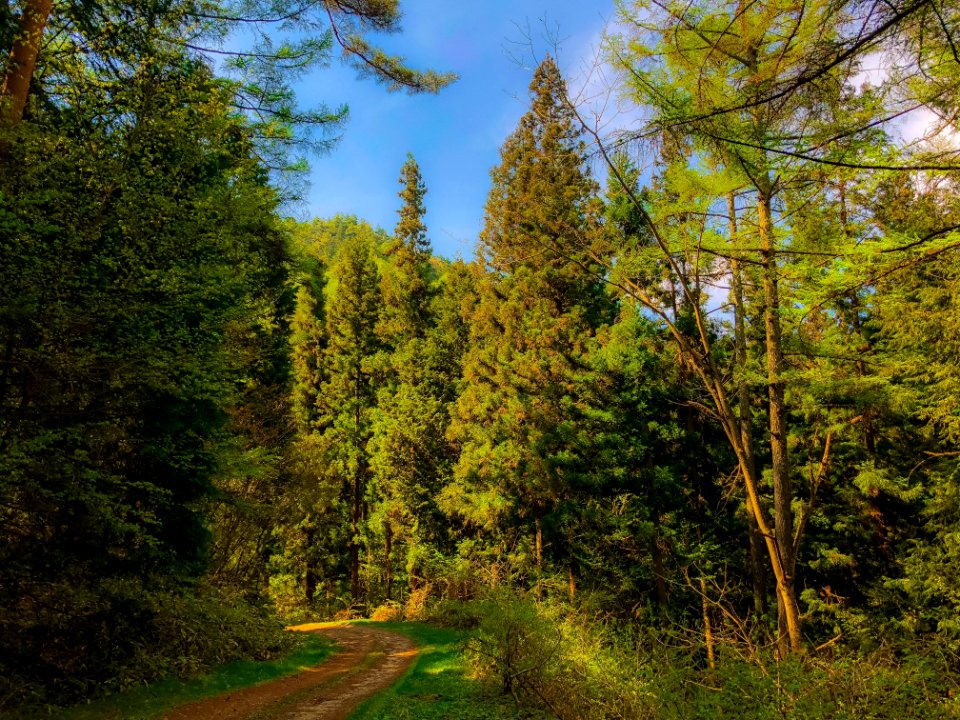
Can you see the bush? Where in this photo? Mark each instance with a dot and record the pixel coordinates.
(390, 611)
(544, 656)
(417, 604)
(548, 656)
(516, 646)
(126, 636)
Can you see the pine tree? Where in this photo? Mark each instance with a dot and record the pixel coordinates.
(525, 455)
(348, 397)
(307, 343)
(410, 455)
(406, 285)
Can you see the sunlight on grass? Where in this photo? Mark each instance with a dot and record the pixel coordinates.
(436, 686)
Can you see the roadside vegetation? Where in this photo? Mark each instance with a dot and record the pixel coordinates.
(574, 667)
(152, 700)
(441, 683)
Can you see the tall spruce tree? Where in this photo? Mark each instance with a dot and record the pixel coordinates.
(520, 421)
(408, 447)
(406, 286)
(348, 397)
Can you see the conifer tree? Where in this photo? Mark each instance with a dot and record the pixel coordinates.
(527, 383)
(408, 447)
(307, 342)
(406, 286)
(348, 397)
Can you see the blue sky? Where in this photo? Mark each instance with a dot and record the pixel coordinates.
(455, 135)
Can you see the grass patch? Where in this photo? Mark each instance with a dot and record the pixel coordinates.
(437, 685)
(151, 701)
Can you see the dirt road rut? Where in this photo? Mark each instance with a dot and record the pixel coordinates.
(370, 660)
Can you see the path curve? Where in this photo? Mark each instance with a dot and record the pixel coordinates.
(369, 660)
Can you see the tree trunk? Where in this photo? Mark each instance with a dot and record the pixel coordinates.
(788, 612)
(309, 576)
(22, 60)
(745, 413)
(355, 538)
(700, 361)
(539, 545)
(659, 569)
(388, 560)
(707, 627)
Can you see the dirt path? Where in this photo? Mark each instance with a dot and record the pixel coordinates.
(370, 660)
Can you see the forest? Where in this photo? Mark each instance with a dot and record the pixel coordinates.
(681, 439)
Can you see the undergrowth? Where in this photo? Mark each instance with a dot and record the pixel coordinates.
(439, 685)
(550, 658)
(151, 701)
(170, 635)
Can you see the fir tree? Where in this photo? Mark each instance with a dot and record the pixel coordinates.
(524, 456)
(408, 447)
(307, 342)
(406, 285)
(348, 397)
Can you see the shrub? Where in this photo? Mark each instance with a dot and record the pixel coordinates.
(133, 637)
(546, 655)
(390, 611)
(416, 606)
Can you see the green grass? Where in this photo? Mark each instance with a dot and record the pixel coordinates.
(437, 686)
(152, 700)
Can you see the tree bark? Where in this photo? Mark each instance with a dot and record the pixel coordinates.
(22, 60)
(788, 613)
(355, 538)
(388, 560)
(707, 627)
(659, 569)
(745, 413)
(309, 577)
(539, 545)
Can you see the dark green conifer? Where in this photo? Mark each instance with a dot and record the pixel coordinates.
(406, 285)
(520, 421)
(348, 397)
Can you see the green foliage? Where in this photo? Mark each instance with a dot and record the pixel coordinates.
(522, 421)
(140, 242)
(560, 661)
(138, 636)
(406, 284)
(200, 405)
(439, 684)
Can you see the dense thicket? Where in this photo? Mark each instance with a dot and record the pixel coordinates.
(134, 250)
(145, 409)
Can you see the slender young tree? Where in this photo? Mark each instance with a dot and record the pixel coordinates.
(731, 54)
(763, 94)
